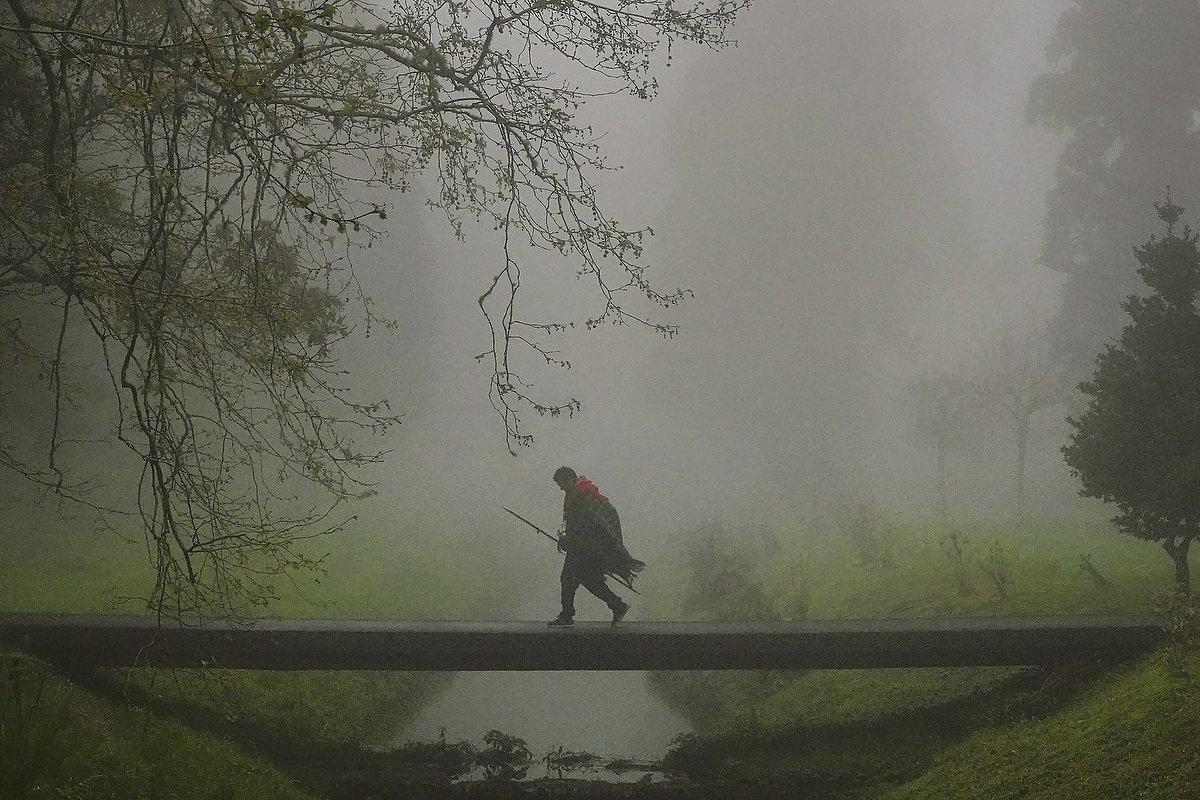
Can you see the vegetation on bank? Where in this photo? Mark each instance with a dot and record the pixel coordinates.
(1131, 734)
(925, 733)
(121, 726)
(1089, 731)
(59, 741)
(865, 564)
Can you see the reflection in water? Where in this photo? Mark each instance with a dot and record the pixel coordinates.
(613, 714)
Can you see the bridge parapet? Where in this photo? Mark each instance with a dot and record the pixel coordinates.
(79, 640)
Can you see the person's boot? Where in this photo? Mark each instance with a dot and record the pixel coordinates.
(619, 613)
(561, 621)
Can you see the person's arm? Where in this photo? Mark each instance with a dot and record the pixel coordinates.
(571, 523)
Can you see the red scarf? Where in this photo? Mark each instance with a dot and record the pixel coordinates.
(584, 486)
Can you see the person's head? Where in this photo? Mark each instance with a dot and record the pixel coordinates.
(566, 478)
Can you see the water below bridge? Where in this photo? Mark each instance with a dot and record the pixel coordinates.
(611, 714)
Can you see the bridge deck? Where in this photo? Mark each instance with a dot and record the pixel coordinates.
(83, 640)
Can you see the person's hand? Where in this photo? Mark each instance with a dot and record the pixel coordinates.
(561, 548)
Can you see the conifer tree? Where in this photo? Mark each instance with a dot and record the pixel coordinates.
(1126, 83)
(1137, 445)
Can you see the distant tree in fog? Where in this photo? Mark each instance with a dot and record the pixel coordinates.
(1016, 379)
(1128, 95)
(721, 579)
(1137, 445)
(185, 184)
(942, 403)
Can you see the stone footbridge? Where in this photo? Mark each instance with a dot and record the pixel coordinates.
(80, 641)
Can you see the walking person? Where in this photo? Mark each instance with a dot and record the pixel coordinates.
(593, 546)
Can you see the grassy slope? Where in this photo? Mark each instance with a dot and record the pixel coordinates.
(1134, 734)
(855, 733)
(58, 741)
(134, 753)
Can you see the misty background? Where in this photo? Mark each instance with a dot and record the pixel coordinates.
(855, 198)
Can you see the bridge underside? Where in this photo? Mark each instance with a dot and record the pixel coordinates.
(94, 640)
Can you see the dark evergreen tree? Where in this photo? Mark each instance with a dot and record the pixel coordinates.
(1137, 445)
(1127, 96)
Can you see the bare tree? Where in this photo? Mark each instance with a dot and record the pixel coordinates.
(1016, 380)
(185, 185)
(942, 402)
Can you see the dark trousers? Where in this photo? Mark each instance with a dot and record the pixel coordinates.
(584, 572)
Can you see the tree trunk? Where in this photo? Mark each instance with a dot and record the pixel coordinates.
(1179, 554)
(1022, 454)
(941, 473)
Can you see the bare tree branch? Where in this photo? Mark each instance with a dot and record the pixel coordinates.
(178, 171)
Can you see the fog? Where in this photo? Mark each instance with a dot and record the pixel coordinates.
(854, 197)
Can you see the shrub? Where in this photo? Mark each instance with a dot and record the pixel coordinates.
(33, 718)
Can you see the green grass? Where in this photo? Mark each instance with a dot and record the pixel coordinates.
(1132, 735)
(935, 733)
(368, 575)
(371, 573)
(90, 748)
(364, 577)
(1045, 562)
(838, 735)
(73, 572)
(392, 573)
(819, 574)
